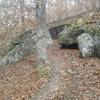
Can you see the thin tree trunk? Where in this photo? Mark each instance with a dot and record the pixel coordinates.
(22, 16)
(44, 38)
(98, 4)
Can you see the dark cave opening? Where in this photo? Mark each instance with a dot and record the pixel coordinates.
(72, 46)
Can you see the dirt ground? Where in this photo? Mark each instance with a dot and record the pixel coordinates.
(80, 78)
(20, 80)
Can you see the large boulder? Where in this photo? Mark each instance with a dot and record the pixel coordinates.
(19, 48)
(86, 45)
(69, 36)
(97, 45)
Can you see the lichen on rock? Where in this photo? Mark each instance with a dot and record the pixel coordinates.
(19, 48)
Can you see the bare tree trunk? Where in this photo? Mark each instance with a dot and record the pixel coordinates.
(98, 4)
(66, 9)
(44, 38)
(22, 17)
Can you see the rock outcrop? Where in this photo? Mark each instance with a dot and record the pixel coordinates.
(69, 36)
(97, 45)
(86, 45)
(86, 36)
(89, 45)
(19, 48)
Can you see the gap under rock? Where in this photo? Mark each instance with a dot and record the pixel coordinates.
(72, 46)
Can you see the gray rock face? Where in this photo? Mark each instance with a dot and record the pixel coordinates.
(69, 37)
(86, 45)
(20, 47)
(97, 46)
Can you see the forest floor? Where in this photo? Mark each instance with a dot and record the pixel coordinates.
(78, 78)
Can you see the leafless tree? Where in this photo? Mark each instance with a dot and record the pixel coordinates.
(98, 4)
(43, 35)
